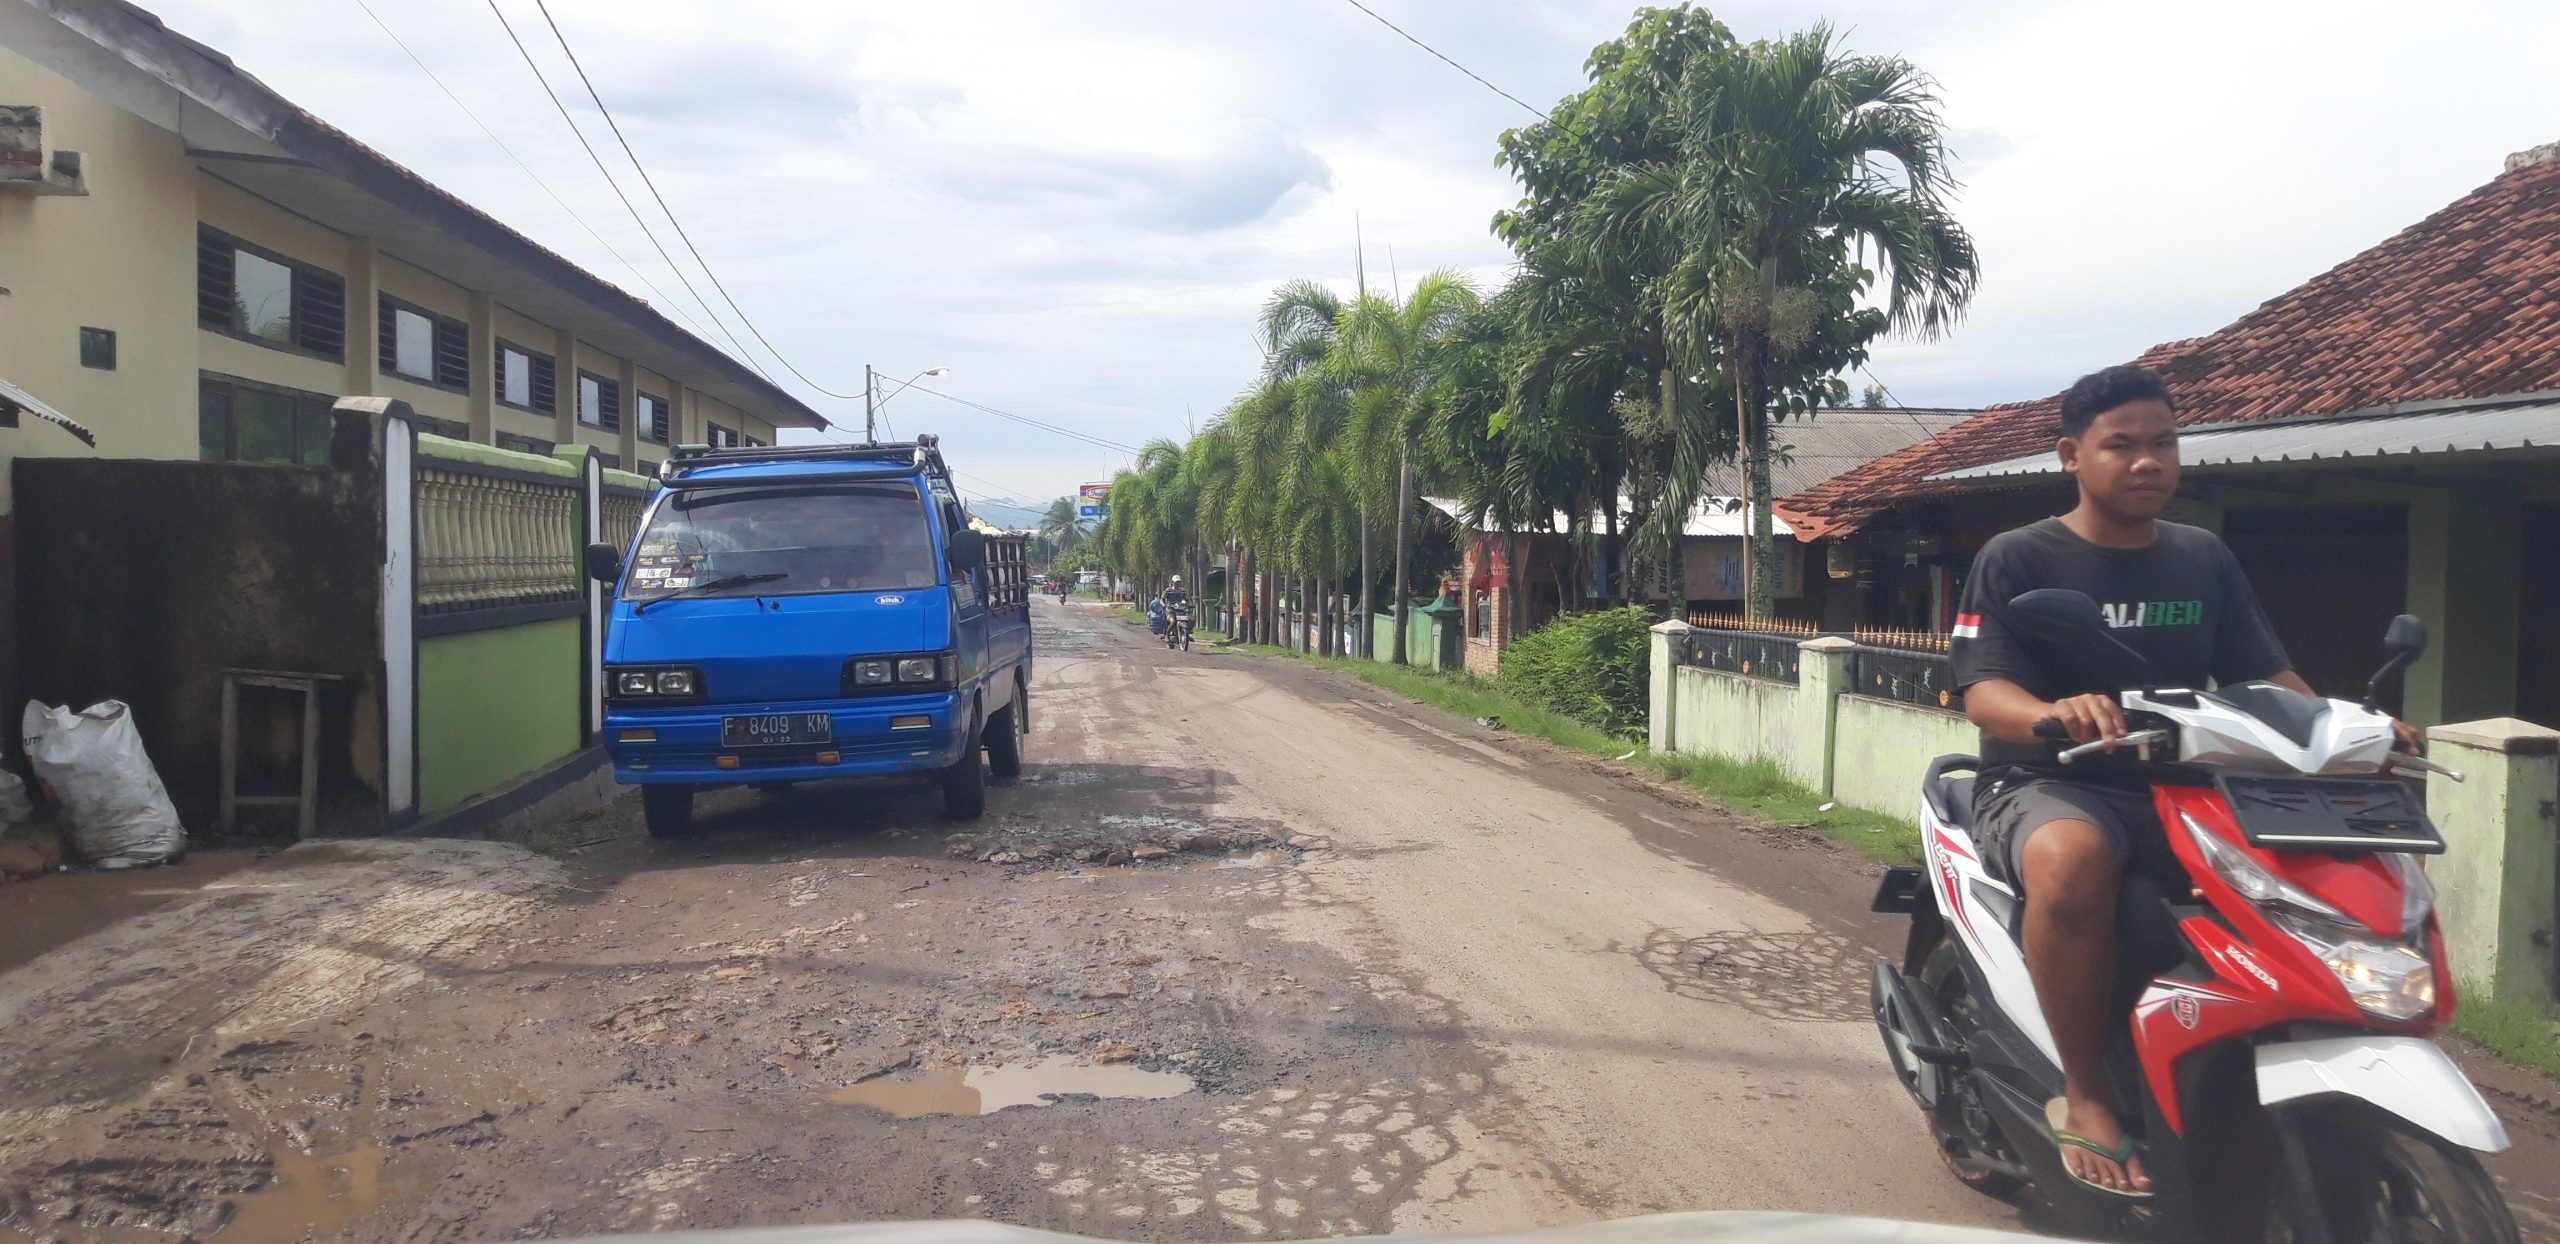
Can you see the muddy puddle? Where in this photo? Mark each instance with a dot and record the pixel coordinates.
(1268, 858)
(985, 1090)
(317, 1196)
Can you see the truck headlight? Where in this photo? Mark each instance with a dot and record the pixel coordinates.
(870, 673)
(654, 682)
(919, 669)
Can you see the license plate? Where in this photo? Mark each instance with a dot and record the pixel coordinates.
(2330, 814)
(776, 730)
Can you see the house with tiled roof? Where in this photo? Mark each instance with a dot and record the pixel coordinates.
(2383, 438)
(1511, 583)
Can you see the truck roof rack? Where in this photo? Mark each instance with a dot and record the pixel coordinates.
(924, 450)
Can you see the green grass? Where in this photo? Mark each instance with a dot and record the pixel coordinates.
(2515, 1030)
(1759, 788)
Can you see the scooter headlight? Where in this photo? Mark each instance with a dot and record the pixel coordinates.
(2387, 979)
(2390, 980)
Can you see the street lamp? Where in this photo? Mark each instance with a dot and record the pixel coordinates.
(870, 406)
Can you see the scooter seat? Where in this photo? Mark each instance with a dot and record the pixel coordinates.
(1950, 792)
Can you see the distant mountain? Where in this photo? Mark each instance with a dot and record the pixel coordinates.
(1010, 514)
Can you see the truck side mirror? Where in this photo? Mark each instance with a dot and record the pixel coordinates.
(604, 562)
(968, 549)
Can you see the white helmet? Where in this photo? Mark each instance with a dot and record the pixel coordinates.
(1177, 580)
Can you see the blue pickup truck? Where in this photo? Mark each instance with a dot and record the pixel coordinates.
(795, 613)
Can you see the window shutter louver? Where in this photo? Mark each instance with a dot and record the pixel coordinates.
(453, 354)
(320, 313)
(214, 304)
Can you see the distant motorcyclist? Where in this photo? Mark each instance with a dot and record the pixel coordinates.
(1174, 597)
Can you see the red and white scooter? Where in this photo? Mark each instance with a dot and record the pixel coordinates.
(2276, 1004)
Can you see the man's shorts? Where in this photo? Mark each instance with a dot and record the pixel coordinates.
(2008, 809)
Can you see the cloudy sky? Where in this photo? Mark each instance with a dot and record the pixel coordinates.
(1078, 205)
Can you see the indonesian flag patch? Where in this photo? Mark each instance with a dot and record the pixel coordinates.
(1968, 626)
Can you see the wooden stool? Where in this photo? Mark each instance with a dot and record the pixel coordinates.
(307, 801)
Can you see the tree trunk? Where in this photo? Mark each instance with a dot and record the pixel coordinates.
(1609, 560)
(1307, 614)
(1368, 644)
(1401, 588)
(1760, 560)
(1675, 578)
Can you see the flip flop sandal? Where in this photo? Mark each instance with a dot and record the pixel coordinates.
(2121, 1154)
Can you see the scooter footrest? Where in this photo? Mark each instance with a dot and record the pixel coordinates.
(1900, 890)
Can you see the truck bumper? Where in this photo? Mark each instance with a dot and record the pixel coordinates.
(873, 736)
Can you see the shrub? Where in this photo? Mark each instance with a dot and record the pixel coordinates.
(1588, 666)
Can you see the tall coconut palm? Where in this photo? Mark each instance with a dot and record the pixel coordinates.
(1799, 167)
(1060, 526)
(1397, 356)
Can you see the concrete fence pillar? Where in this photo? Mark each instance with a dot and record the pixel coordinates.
(1662, 696)
(1822, 673)
(2495, 883)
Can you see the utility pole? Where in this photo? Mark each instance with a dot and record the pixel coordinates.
(870, 426)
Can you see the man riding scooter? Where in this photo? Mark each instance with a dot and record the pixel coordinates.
(2066, 837)
(1176, 604)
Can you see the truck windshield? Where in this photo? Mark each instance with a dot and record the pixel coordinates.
(857, 538)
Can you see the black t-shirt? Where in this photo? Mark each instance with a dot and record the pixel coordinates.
(2182, 603)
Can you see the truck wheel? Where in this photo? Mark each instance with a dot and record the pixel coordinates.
(668, 810)
(1004, 735)
(964, 785)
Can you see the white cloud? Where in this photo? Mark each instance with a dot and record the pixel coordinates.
(1078, 207)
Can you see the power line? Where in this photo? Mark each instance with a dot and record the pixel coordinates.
(1011, 493)
(1897, 402)
(1027, 421)
(1373, 14)
(616, 187)
(501, 144)
(681, 235)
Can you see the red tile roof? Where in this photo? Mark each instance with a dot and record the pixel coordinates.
(2465, 303)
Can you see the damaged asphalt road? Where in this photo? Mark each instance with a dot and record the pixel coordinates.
(1251, 951)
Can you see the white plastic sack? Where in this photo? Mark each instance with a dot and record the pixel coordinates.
(93, 762)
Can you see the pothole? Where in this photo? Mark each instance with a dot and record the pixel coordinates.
(985, 1090)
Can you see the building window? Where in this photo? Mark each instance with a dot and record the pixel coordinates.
(653, 419)
(525, 378)
(524, 444)
(610, 462)
(599, 402)
(98, 348)
(420, 345)
(241, 421)
(450, 429)
(719, 437)
(259, 296)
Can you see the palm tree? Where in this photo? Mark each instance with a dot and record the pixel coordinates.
(1797, 166)
(1396, 360)
(1060, 526)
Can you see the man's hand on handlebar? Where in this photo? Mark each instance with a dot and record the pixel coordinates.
(2090, 718)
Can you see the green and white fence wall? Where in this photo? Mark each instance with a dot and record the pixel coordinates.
(503, 631)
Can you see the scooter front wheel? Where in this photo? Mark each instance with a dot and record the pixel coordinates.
(2376, 1176)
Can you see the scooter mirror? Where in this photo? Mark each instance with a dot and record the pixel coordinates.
(2401, 643)
(2056, 614)
(2406, 634)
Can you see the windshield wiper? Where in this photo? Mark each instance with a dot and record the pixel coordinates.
(710, 585)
